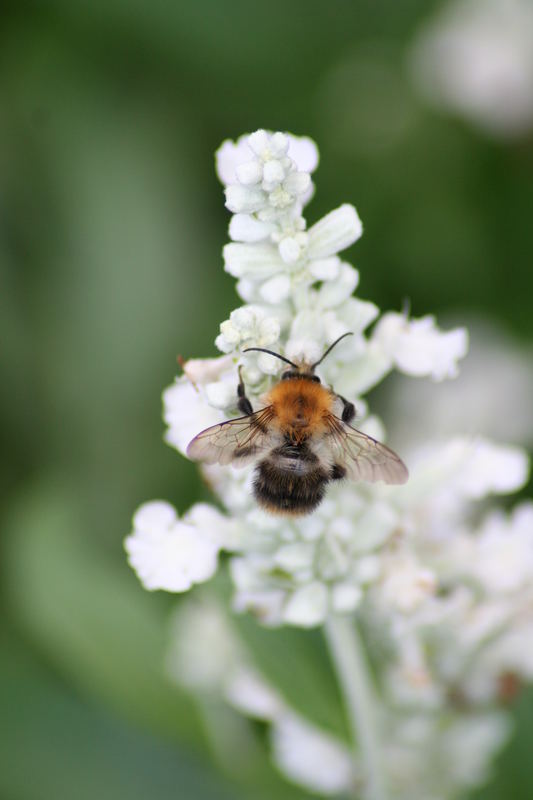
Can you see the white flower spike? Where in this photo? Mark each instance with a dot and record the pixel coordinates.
(443, 582)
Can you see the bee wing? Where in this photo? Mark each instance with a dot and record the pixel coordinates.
(238, 441)
(363, 457)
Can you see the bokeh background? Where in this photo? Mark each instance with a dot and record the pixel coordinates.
(111, 228)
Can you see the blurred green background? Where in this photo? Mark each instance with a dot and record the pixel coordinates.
(112, 223)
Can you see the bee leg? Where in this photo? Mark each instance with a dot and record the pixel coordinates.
(348, 411)
(337, 472)
(243, 404)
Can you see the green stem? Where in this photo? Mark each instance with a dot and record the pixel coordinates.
(347, 654)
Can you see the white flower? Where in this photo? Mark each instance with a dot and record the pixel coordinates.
(269, 180)
(168, 553)
(346, 597)
(475, 57)
(307, 606)
(492, 468)
(430, 760)
(469, 743)
(186, 408)
(247, 228)
(334, 232)
(300, 149)
(251, 695)
(417, 347)
(504, 551)
(406, 584)
(490, 397)
(248, 326)
(204, 370)
(289, 249)
(311, 757)
(449, 474)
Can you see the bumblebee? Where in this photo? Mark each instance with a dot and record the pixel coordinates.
(299, 442)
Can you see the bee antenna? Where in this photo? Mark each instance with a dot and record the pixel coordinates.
(330, 348)
(270, 353)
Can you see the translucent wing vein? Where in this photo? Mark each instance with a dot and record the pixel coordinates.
(238, 441)
(363, 457)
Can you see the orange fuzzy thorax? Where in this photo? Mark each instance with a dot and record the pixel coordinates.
(300, 407)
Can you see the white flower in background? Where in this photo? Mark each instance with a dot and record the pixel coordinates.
(440, 581)
(169, 553)
(307, 755)
(418, 348)
(476, 58)
(490, 398)
(311, 757)
(429, 760)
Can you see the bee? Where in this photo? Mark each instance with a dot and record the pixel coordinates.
(299, 442)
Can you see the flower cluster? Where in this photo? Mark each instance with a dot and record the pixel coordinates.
(440, 586)
(296, 571)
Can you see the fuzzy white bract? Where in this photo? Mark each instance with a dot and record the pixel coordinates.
(441, 580)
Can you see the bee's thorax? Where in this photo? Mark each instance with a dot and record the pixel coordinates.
(299, 407)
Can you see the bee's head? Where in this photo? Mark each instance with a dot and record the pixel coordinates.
(300, 371)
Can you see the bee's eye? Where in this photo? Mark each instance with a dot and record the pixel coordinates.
(315, 378)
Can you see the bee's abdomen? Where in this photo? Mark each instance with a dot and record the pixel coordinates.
(290, 481)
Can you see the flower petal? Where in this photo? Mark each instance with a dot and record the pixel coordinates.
(249, 693)
(417, 347)
(227, 158)
(303, 152)
(157, 515)
(186, 412)
(173, 558)
(311, 757)
(202, 370)
(492, 468)
(345, 597)
(290, 249)
(246, 228)
(325, 269)
(257, 261)
(333, 293)
(297, 183)
(307, 606)
(334, 232)
(259, 142)
(244, 199)
(276, 290)
(249, 173)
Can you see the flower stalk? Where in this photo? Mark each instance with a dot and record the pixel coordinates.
(357, 688)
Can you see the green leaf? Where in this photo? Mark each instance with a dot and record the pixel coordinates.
(54, 746)
(513, 774)
(90, 616)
